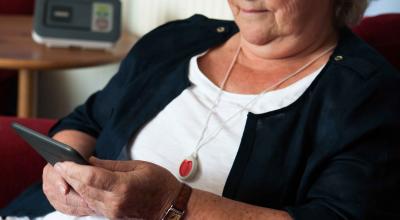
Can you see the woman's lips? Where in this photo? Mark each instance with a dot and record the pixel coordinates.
(254, 11)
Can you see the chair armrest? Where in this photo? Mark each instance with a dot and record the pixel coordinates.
(20, 165)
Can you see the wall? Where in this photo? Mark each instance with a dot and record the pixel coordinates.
(147, 14)
(61, 91)
(383, 6)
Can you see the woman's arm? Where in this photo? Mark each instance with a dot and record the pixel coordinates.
(205, 205)
(78, 140)
(138, 189)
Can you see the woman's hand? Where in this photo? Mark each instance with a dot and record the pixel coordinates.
(61, 196)
(58, 192)
(122, 189)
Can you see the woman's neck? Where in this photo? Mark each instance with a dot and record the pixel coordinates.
(284, 51)
(255, 70)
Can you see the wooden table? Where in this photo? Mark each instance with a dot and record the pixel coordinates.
(19, 52)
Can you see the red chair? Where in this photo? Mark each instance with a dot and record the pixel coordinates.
(383, 33)
(8, 79)
(20, 164)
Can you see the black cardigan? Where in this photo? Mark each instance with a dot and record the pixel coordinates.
(332, 154)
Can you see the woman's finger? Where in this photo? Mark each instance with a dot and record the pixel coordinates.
(80, 177)
(73, 199)
(71, 204)
(75, 211)
(52, 179)
(98, 203)
(61, 196)
(97, 199)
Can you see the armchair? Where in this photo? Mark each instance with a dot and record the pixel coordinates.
(21, 166)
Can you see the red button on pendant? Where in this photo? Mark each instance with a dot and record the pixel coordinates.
(188, 168)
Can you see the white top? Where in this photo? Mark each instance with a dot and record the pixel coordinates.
(172, 135)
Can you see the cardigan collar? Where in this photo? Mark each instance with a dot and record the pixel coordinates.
(160, 89)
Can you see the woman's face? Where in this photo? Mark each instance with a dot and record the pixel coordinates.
(262, 21)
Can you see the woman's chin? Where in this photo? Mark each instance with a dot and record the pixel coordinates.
(256, 38)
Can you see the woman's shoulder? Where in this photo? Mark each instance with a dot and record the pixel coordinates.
(355, 56)
(180, 38)
(357, 79)
(357, 72)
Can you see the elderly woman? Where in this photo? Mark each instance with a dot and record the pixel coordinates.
(282, 114)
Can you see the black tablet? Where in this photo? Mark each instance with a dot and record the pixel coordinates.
(51, 150)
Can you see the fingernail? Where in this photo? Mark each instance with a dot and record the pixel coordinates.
(62, 188)
(58, 167)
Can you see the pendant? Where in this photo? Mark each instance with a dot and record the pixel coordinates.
(188, 167)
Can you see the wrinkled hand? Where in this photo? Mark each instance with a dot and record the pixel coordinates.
(61, 196)
(122, 189)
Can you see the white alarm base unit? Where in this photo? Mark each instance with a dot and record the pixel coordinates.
(94, 24)
(68, 43)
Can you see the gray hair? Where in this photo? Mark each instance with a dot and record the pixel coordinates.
(349, 12)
